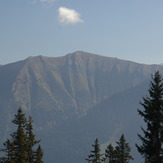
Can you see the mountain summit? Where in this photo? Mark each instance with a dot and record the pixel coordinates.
(66, 91)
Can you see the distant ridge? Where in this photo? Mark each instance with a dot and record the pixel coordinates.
(72, 98)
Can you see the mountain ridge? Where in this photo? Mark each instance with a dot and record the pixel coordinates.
(76, 53)
(61, 93)
(68, 78)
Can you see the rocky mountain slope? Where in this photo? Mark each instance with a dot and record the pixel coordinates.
(74, 99)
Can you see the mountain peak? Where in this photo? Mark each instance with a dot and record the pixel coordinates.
(61, 91)
(83, 53)
(35, 58)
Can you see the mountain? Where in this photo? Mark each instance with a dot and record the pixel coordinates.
(74, 99)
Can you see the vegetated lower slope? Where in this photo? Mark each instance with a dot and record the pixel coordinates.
(106, 121)
(62, 94)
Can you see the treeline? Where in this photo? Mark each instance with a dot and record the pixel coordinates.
(118, 154)
(23, 146)
(151, 148)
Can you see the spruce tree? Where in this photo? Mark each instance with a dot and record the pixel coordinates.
(21, 147)
(19, 138)
(31, 140)
(152, 113)
(95, 155)
(39, 155)
(123, 151)
(110, 154)
(9, 149)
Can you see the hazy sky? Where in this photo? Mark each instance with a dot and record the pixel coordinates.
(126, 29)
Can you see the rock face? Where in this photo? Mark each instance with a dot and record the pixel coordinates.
(73, 98)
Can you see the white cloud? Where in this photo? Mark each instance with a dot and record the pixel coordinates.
(68, 16)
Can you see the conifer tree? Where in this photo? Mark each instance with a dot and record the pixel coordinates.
(31, 141)
(21, 147)
(19, 138)
(95, 155)
(123, 151)
(152, 113)
(110, 154)
(9, 148)
(39, 155)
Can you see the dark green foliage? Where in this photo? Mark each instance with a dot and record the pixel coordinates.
(119, 154)
(19, 139)
(110, 154)
(20, 149)
(31, 141)
(152, 113)
(95, 155)
(39, 155)
(123, 151)
(9, 148)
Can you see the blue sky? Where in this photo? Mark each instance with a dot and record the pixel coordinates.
(126, 29)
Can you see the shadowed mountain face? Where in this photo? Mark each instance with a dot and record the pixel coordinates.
(74, 99)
